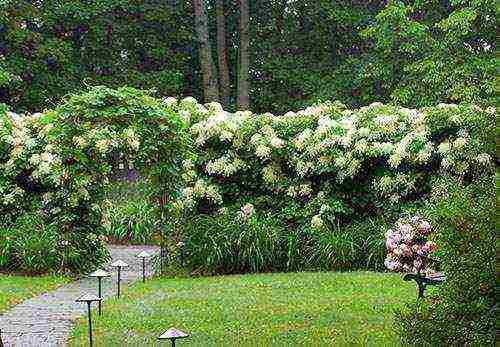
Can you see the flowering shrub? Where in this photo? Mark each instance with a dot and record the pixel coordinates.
(326, 167)
(296, 154)
(57, 164)
(408, 249)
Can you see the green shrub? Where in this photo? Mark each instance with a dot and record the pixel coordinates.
(224, 242)
(30, 245)
(461, 311)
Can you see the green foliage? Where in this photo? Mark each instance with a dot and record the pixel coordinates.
(58, 164)
(54, 47)
(129, 217)
(30, 245)
(462, 311)
(427, 52)
(413, 53)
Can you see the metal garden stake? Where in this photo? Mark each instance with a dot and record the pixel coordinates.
(143, 255)
(119, 264)
(89, 298)
(99, 274)
(173, 334)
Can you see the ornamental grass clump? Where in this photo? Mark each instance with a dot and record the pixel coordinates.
(408, 247)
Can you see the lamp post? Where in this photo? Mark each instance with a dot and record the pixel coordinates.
(99, 274)
(89, 298)
(143, 255)
(173, 334)
(119, 264)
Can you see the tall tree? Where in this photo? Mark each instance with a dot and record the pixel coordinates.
(243, 102)
(222, 54)
(210, 85)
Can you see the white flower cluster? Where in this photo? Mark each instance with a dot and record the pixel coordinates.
(201, 189)
(328, 139)
(225, 166)
(246, 212)
(131, 138)
(11, 197)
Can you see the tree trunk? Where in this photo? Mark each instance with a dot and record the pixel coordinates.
(222, 50)
(210, 87)
(243, 102)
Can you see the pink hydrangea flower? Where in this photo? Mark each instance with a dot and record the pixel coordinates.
(407, 245)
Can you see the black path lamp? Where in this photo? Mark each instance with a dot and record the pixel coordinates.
(100, 274)
(144, 255)
(89, 298)
(173, 334)
(119, 264)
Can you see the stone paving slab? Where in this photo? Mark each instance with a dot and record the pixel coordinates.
(47, 320)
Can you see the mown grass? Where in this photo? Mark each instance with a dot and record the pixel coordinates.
(16, 288)
(309, 309)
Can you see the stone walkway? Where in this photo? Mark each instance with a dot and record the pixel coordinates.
(47, 320)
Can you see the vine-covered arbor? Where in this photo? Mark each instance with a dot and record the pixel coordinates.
(55, 167)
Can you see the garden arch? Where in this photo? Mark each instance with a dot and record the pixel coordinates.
(55, 167)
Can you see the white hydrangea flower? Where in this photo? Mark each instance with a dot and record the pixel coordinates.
(303, 168)
(291, 191)
(214, 106)
(79, 141)
(226, 135)
(276, 142)
(317, 222)
(247, 211)
(189, 101)
(188, 164)
(460, 142)
(263, 152)
(444, 147)
(131, 138)
(395, 160)
(484, 159)
(170, 101)
(363, 132)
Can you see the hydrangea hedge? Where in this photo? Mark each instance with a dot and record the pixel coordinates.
(55, 167)
(317, 188)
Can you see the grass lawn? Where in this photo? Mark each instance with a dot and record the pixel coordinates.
(16, 288)
(326, 308)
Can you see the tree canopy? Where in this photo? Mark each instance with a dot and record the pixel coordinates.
(414, 53)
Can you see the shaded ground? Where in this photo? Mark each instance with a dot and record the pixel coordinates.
(47, 320)
(308, 309)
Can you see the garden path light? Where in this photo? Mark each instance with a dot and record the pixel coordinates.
(119, 264)
(89, 298)
(173, 334)
(100, 274)
(143, 255)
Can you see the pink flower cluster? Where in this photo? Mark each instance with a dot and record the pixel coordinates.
(408, 246)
